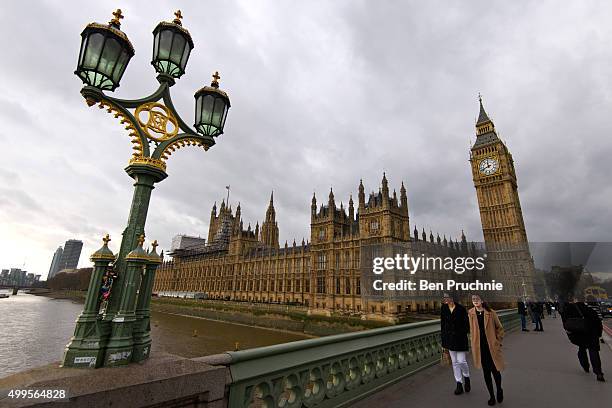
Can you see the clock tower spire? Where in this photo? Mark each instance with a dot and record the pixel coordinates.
(501, 215)
(485, 129)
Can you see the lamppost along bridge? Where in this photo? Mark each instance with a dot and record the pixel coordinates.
(113, 328)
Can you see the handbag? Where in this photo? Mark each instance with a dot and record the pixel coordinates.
(576, 324)
(445, 358)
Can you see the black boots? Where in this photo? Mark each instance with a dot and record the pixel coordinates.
(459, 389)
(601, 378)
(500, 395)
(468, 386)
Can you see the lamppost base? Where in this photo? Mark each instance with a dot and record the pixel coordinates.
(120, 347)
(119, 355)
(141, 351)
(82, 356)
(87, 346)
(142, 336)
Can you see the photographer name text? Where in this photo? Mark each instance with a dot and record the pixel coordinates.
(423, 285)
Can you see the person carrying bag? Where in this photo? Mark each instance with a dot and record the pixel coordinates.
(584, 328)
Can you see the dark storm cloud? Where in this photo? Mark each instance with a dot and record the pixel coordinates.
(323, 94)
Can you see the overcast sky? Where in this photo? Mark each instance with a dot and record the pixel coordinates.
(323, 93)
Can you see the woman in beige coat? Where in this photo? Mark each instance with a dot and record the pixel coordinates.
(487, 335)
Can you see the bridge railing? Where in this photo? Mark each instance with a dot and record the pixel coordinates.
(334, 371)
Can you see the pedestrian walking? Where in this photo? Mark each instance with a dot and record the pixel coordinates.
(455, 326)
(548, 308)
(530, 307)
(536, 313)
(487, 335)
(584, 328)
(522, 311)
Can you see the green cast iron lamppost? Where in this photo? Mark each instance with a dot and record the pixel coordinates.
(114, 327)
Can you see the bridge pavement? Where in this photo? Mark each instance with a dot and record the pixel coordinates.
(542, 371)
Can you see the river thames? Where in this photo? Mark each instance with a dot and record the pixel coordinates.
(34, 331)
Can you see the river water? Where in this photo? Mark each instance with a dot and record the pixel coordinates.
(34, 331)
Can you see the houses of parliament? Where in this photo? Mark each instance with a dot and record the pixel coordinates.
(324, 273)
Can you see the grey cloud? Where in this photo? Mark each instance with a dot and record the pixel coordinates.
(9, 177)
(16, 111)
(324, 94)
(15, 199)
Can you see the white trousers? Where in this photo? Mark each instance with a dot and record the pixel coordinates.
(460, 365)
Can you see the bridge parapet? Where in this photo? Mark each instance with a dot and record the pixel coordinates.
(334, 371)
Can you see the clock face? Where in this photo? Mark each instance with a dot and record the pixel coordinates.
(488, 166)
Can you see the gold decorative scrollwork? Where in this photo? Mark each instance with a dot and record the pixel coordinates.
(160, 123)
(130, 127)
(159, 118)
(188, 141)
(148, 161)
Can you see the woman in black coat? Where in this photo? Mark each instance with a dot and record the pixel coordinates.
(455, 327)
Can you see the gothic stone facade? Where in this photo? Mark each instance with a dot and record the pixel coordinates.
(322, 274)
(501, 215)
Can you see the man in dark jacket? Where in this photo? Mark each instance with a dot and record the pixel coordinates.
(584, 329)
(455, 326)
(536, 314)
(522, 311)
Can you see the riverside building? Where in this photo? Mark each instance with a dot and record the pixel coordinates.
(324, 273)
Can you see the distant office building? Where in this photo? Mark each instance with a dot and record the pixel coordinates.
(18, 277)
(71, 255)
(187, 242)
(4, 274)
(13, 277)
(55, 263)
(66, 258)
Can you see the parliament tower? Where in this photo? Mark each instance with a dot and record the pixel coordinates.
(505, 237)
(269, 228)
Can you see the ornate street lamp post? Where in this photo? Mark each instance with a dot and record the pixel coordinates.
(114, 328)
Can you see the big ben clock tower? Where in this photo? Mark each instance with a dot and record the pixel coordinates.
(509, 259)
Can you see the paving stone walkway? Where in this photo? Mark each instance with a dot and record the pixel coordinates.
(542, 370)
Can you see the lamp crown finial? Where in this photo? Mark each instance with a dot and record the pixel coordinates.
(215, 81)
(141, 239)
(106, 239)
(178, 17)
(117, 16)
(154, 245)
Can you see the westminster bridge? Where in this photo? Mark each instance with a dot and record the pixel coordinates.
(393, 366)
